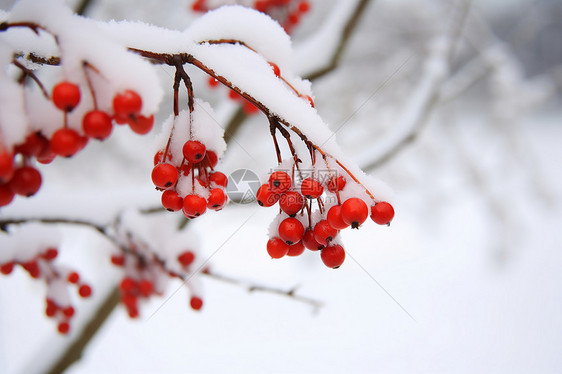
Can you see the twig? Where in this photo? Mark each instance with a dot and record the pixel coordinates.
(253, 288)
(104, 230)
(28, 73)
(347, 30)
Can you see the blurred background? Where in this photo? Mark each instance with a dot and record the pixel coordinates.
(455, 105)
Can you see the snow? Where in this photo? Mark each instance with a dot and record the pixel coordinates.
(231, 22)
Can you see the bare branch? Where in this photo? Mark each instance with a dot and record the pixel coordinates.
(346, 31)
(253, 288)
(424, 98)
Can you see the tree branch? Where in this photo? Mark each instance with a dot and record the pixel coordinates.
(346, 32)
(424, 98)
(74, 351)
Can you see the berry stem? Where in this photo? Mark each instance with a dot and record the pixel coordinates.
(177, 80)
(164, 58)
(272, 129)
(29, 73)
(87, 66)
(178, 63)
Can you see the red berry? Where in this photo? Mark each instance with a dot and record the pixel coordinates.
(159, 157)
(145, 287)
(335, 219)
(118, 260)
(85, 291)
(293, 18)
(66, 142)
(6, 167)
(304, 6)
(120, 121)
(217, 199)
(211, 158)
(141, 125)
(276, 69)
(233, 95)
(296, 249)
(250, 108)
(382, 213)
(196, 303)
(128, 285)
(279, 181)
(324, 233)
(68, 311)
(66, 96)
(186, 258)
(34, 144)
(354, 212)
(310, 242)
(51, 308)
(164, 175)
(129, 300)
(133, 312)
(47, 155)
(277, 248)
(73, 277)
(97, 124)
(127, 104)
(172, 201)
(266, 197)
(291, 202)
(6, 195)
(194, 206)
(336, 183)
(64, 327)
(32, 267)
(311, 188)
(261, 6)
(6, 268)
(218, 178)
(194, 151)
(199, 6)
(26, 181)
(291, 230)
(50, 254)
(212, 81)
(333, 256)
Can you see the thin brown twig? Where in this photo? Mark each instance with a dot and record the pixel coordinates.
(31, 74)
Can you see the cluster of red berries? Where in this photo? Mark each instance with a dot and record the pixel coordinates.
(185, 259)
(193, 186)
(298, 228)
(287, 12)
(142, 278)
(18, 177)
(41, 266)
